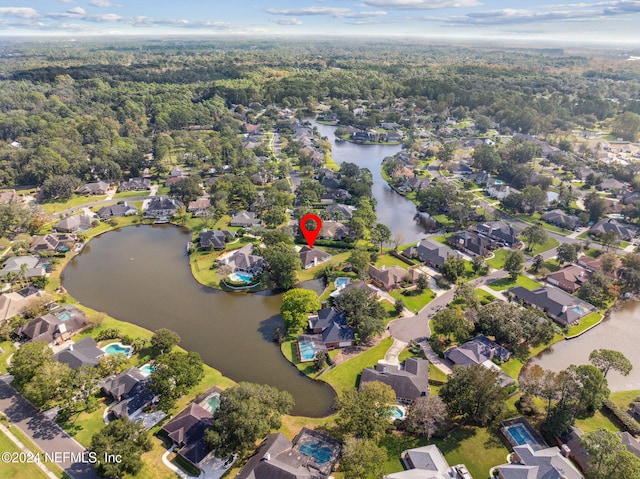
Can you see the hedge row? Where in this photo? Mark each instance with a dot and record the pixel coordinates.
(630, 424)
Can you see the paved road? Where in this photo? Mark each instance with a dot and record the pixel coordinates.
(46, 434)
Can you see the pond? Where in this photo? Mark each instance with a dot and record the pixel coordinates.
(141, 274)
(620, 332)
(393, 209)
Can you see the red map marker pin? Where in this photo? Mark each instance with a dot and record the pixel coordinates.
(310, 236)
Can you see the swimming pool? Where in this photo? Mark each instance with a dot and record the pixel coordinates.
(520, 434)
(397, 412)
(341, 282)
(147, 369)
(115, 348)
(64, 316)
(307, 350)
(240, 277)
(320, 452)
(214, 403)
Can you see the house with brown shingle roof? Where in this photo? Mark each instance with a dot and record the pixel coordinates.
(409, 380)
(187, 429)
(388, 277)
(569, 278)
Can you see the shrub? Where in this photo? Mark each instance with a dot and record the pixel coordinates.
(630, 424)
(110, 333)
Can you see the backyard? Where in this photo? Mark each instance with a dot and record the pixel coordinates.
(508, 282)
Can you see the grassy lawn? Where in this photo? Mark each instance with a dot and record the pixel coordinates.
(485, 297)
(417, 302)
(584, 324)
(442, 238)
(388, 260)
(346, 375)
(476, 447)
(84, 425)
(318, 271)
(497, 262)
(514, 365)
(77, 200)
(28, 443)
(17, 470)
(288, 349)
(8, 348)
(600, 420)
(437, 374)
(550, 243)
(131, 194)
(623, 399)
(506, 283)
(330, 163)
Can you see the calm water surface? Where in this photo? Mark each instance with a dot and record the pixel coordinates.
(393, 210)
(620, 332)
(141, 274)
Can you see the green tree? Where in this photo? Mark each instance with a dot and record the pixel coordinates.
(608, 456)
(514, 263)
(626, 126)
(48, 383)
(163, 340)
(533, 235)
(186, 190)
(422, 283)
(174, 374)
(364, 413)
(121, 438)
(568, 253)
(592, 388)
(451, 321)
(380, 234)
(296, 305)
(608, 359)
(425, 415)
(247, 412)
(362, 459)
(452, 268)
(27, 361)
(596, 206)
(364, 313)
(360, 259)
(59, 187)
(282, 265)
(473, 393)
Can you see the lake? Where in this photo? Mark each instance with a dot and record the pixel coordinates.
(620, 332)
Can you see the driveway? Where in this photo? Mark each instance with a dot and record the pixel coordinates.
(44, 433)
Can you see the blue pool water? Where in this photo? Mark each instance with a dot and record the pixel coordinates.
(342, 282)
(577, 310)
(147, 369)
(307, 351)
(115, 348)
(214, 403)
(64, 316)
(320, 453)
(396, 413)
(520, 434)
(241, 277)
(497, 182)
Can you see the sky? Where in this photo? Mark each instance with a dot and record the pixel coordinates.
(608, 21)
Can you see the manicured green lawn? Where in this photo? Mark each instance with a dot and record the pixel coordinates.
(484, 297)
(623, 399)
(77, 200)
(318, 271)
(497, 261)
(84, 425)
(288, 349)
(131, 194)
(600, 420)
(514, 365)
(584, 324)
(442, 238)
(330, 163)
(388, 260)
(417, 302)
(550, 243)
(17, 470)
(345, 376)
(8, 348)
(506, 283)
(478, 448)
(437, 374)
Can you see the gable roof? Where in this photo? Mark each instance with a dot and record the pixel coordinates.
(559, 217)
(268, 461)
(13, 302)
(312, 256)
(162, 203)
(477, 351)
(624, 232)
(560, 305)
(99, 187)
(49, 326)
(409, 381)
(120, 209)
(215, 239)
(83, 353)
(388, 276)
(245, 218)
(430, 252)
(500, 231)
(74, 223)
(543, 464)
(120, 385)
(425, 462)
(14, 264)
(569, 278)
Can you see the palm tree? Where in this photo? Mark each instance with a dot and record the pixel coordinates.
(181, 215)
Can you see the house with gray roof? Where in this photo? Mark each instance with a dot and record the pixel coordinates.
(122, 386)
(135, 184)
(331, 328)
(500, 231)
(73, 224)
(613, 186)
(245, 219)
(623, 231)
(559, 305)
(409, 380)
(15, 264)
(428, 462)
(187, 429)
(97, 188)
(388, 277)
(312, 257)
(162, 207)
(52, 243)
(214, 239)
(431, 253)
(561, 219)
(199, 207)
(334, 230)
(542, 464)
(120, 209)
(340, 212)
(242, 260)
(54, 327)
(481, 350)
(83, 353)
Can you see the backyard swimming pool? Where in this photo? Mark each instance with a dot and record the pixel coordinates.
(115, 348)
(341, 282)
(147, 369)
(320, 452)
(240, 277)
(214, 403)
(64, 316)
(397, 412)
(308, 347)
(519, 432)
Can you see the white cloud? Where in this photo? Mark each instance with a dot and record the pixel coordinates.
(77, 11)
(21, 12)
(287, 21)
(101, 3)
(421, 4)
(334, 12)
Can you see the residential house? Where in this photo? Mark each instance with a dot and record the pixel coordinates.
(461, 168)
(559, 305)
(409, 380)
(334, 230)
(13, 303)
(245, 219)
(54, 327)
(14, 266)
(330, 183)
(162, 207)
(630, 443)
(611, 185)
(362, 286)
(172, 180)
(415, 184)
(569, 278)
(73, 224)
(388, 277)
(340, 212)
(177, 172)
(402, 173)
(630, 198)
(199, 207)
(500, 231)
(97, 188)
(595, 264)
(394, 136)
(606, 225)
(252, 129)
(311, 257)
(330, 325)
(279, 458)
(117, 210)
(471, 242)
(339, 195)
(431, 253)
(83, 353)
(561, 219)
(9, 196)
(135, 184)
(130, 389)
(215, 239)
(186, 431)
(364, 136)
(242, 260)
(542, 464)
(498, 190)
(481, 350)
(261, 178)
(480, 178)
(427, 462)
